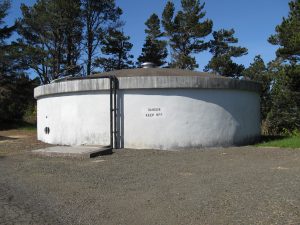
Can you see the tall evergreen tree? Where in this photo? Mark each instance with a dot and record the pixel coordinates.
(258, 71)
(288, 34)
(5, 32)
(186, 32)
(51, 32)
(73, 35)
(222, 50)
(285, 111)
(16, 89)
(98, 17)
(117, 47)
(284, 115)
(154, 49)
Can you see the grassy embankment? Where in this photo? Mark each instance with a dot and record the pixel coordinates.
(292, 141)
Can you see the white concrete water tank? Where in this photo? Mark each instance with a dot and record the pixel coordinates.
(157, 108)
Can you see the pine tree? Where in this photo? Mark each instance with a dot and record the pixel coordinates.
(117, 47)
(5, 32)
(5, 82)
(154, 49)
(258, 71)
(51, 32)
(222, 50)
(288, 34)
(284, 115)
(73, 35)
(285, 112)
(186, 32)
(98, 17)
(16, 89)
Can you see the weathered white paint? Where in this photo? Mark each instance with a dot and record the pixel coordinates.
(190, 118)
(74, 119)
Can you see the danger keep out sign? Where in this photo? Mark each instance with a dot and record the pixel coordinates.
(153, 112)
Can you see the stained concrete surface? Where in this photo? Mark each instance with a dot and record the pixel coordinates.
(148, 79)
(72, 151)
(216, 186)
(189, 118)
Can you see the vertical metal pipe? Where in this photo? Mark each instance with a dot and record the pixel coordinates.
(111, 113)
(115, 110)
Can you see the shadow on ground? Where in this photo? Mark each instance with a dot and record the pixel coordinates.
(267, 138)
(17, 125)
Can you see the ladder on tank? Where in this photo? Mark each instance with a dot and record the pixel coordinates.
(113, 86)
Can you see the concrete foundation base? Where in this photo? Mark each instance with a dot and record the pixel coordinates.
(73, 151)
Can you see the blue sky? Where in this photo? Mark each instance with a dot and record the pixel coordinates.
(253, 20)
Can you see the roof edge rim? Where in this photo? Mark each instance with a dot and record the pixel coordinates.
(147, 82)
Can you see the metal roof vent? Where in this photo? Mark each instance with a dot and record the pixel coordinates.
(147, 65)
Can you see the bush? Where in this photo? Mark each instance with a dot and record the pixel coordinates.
(16, 97)
(30, 114)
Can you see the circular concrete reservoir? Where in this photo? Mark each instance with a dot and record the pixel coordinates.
(155, 109)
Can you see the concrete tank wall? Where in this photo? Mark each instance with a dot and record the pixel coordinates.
(190, 118)
(152, 118)
(74, 119)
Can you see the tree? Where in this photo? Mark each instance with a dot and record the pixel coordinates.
(186, 32)
(222, 50)
(73, 34)
(258, 71)
(117, 46)
(51, 32)
(5, 32)
(285, 112)
(288, 34)
(16, 89)
(154, 49)
(98, 17)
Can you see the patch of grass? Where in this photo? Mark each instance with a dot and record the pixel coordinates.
(20, 125)
(280, 141)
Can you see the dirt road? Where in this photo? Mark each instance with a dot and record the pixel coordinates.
(216, 186)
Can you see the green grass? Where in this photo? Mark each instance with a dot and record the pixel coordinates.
(280, 141)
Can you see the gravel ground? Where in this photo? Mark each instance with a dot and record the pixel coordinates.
(217, 186)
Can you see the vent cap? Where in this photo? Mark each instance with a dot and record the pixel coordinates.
(146, 65)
